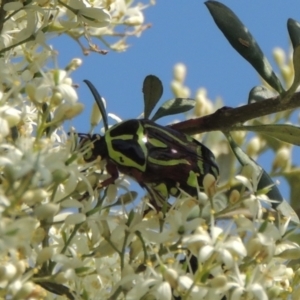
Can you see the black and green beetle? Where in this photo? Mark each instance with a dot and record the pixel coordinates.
(161, 159)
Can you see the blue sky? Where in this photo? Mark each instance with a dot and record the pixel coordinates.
(182, 31)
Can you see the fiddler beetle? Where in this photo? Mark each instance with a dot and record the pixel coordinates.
(161, 159)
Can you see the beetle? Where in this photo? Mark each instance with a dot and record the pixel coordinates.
(161, 159)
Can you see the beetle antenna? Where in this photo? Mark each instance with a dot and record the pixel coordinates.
(99, 102)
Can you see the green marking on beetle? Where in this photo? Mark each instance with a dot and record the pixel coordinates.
(199, 151)
(215, 171)
(123, 137)
(200, 166)
(172, 162)
(119, 157)
(166, 133)
(192, 179)
(190, 139)
(157, 143)
(174, 191)
(162, 189)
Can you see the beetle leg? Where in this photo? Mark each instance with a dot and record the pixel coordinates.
(114, 175)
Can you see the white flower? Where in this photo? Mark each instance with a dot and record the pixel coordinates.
(226, 249)
(251, 285)
(178, 223)
(93, 16)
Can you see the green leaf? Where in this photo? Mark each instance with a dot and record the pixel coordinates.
(99, 102)
(262, 177)
(174, 106)
(286, 133)
(260, 93)
(152, 90)
(286, 210)
(294, 32)
(292, 177)
(243, 42)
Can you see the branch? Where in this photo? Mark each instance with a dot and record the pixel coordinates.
(226, 118)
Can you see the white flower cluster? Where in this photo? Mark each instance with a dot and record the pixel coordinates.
(40, 178)
(60, 239)
(29, 24)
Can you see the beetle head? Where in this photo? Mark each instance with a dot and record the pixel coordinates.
(92, 146)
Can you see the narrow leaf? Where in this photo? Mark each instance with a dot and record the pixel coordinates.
(296, 64)
(243, 42)
(294, 32)
(99, 102)
(287, 211)
(263, 178)
(174, 106)
(284, 132)
(152, 90)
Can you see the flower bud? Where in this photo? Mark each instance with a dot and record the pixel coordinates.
(44, 255)
(179, 90)
(176, 87)
(74, 64)
(56, 98)
(279, 56)
(7, 272)
(4, 128)
(27, 75)
(234, 196)
(25, 291)
(9, 173)
(21, 267)
(185, 92)
(293, 253)
(12, 6)
(74, 219)
(274, 291)
(282, 158)
(96, 114)
(11, 115)
(61, 278)
(135, 248)
(218, 281)
(209, 184)
(67, 111)
(171, 276)
(32, 197)
(254, 146)
(30, 90)
(60, 175)
(45, 211)
(288, 74)
(67, 80)
(238, 136)
(77, 108)
(38, 235)
(179, 72)
(111, 193)
(203, 105)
